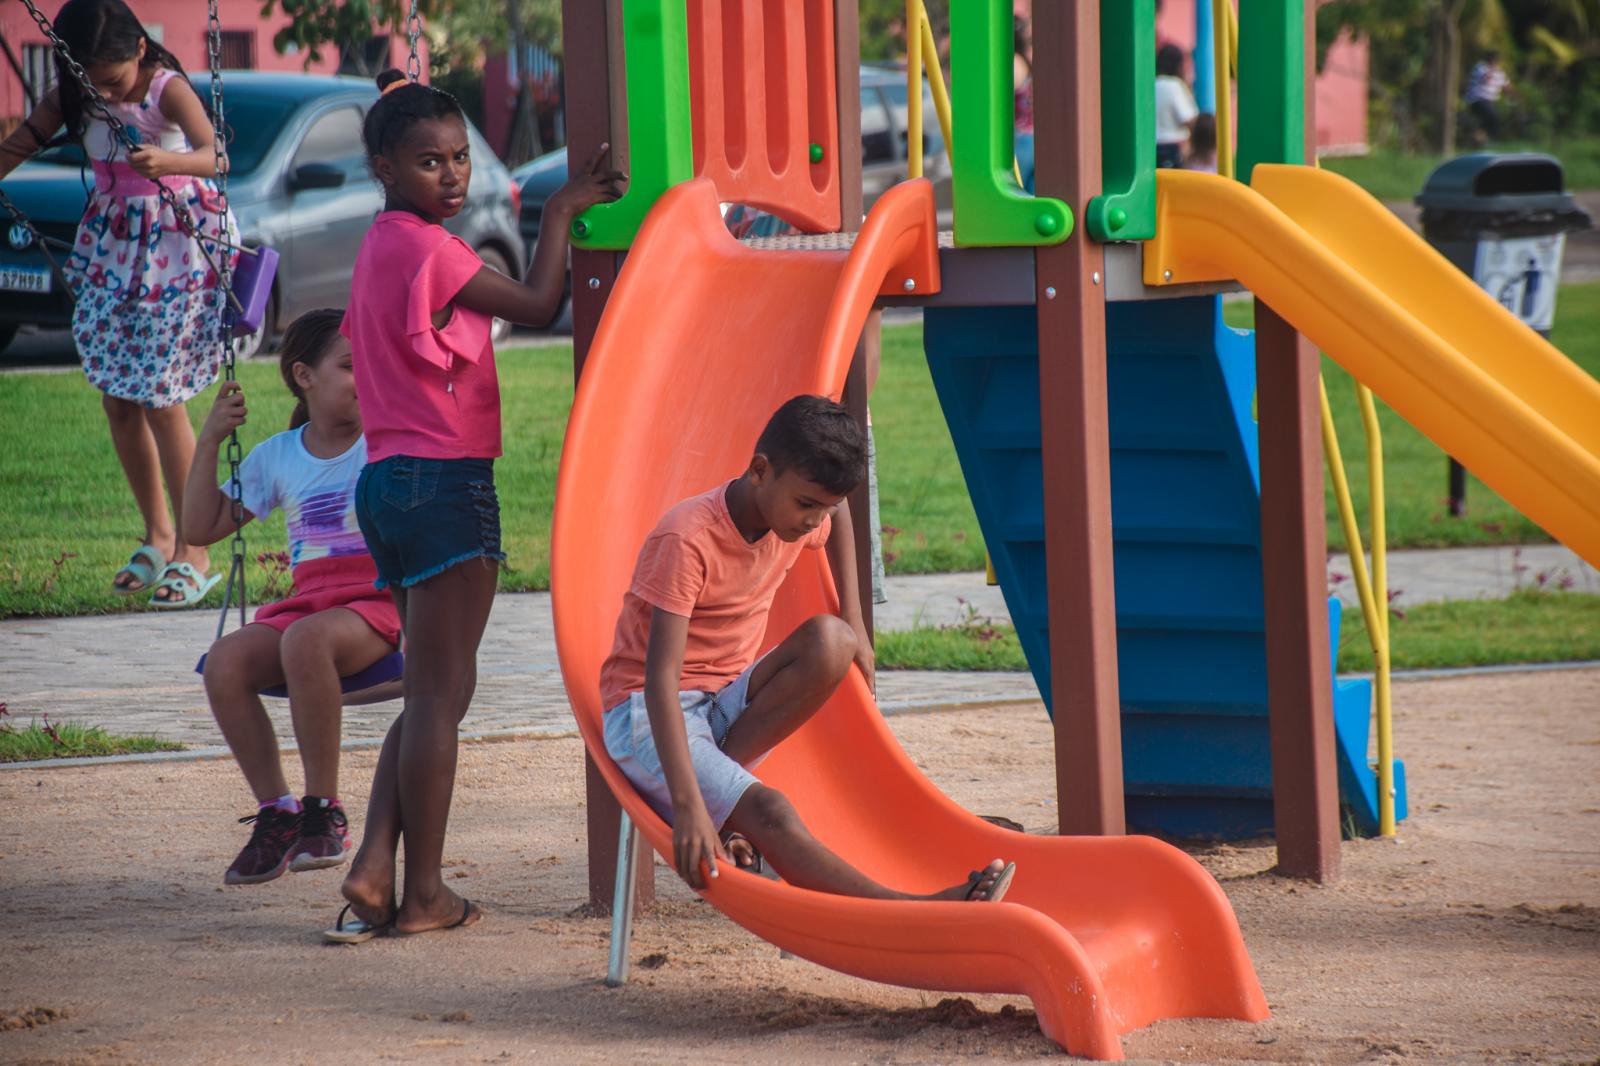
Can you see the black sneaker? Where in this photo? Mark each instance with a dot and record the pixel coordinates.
(266, 856)
(324, 835)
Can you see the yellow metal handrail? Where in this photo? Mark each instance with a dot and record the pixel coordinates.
(920, 45)
(1373, 588)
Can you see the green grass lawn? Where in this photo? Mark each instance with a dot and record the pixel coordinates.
(1391, 175)
(70, 522)
(1528, 627)
(67, 740)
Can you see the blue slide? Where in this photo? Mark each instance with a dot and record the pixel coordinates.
(1185, 489)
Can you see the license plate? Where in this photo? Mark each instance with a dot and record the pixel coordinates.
(24, 278)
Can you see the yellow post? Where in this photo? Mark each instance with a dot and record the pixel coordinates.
(1224, 42)
(930, 63)
(1380, 593)
(914, 88)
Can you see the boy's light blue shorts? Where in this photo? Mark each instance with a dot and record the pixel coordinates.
(707, 717)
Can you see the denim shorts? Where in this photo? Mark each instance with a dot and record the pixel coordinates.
(422, 516)
(707, 717)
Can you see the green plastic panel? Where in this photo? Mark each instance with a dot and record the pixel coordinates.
(660, 147)
(1126, 209)
(1272, 83)
(990, 208)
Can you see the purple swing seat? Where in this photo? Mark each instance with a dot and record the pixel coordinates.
(389, 668)
(252, 287)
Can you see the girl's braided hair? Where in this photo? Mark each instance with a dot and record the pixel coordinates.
(400, 108)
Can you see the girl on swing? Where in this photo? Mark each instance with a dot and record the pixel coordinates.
(335, 625)
(146, 311)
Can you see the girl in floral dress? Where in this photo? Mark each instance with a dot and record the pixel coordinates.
(147, 311)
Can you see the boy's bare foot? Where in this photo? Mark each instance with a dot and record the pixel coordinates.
(446, 911)
(988, 885)
(370, 892)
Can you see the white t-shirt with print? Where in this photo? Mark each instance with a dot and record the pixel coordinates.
(317, 496)
(1175, 109)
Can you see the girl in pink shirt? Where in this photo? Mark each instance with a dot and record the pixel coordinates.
(421, 306)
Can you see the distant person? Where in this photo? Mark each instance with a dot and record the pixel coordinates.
(1485, 85)
(1022, 97)
(335, 624)
(145, 308)
(1175, 107)
(422, 309)
(1202, 153)
(690, 705)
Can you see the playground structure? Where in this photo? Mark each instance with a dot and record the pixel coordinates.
(1181, 629)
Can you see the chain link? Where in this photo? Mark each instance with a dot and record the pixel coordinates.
(413, 31)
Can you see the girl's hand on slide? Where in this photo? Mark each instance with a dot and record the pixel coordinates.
(227, 414)
(149, 162)
(867, 660)
(694, 841)
(597, 184)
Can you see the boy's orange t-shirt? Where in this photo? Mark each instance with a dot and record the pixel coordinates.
(697, 564)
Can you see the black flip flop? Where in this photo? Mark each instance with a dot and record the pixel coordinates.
(757, 865)
(357, 931)
(997, 891)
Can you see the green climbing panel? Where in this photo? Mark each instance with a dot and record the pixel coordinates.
(660, 147)
(1272, 83)
(990, 208)
(1126, 209)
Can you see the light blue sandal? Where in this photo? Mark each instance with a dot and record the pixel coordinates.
(144, 566)
(190, 585)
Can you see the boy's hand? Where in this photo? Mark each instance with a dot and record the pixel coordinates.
(694, 840)
(149, 162)
(227, 414)
(597, 184)
(867, 660)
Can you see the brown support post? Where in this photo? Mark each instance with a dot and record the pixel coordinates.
(1070, 296)
(589, 104)
(847, 67)
(1305, 783)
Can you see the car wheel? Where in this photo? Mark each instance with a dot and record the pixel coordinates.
(501, 329)
(8, 333)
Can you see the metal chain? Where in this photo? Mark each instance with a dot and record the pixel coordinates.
(413, 31)
(20, 219)
(97, 107)
(234, 450)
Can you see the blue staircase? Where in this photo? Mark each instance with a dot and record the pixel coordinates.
(1185, 483)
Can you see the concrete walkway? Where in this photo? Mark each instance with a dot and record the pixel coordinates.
(133, 673)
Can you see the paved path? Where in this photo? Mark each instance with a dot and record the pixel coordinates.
(133, 673)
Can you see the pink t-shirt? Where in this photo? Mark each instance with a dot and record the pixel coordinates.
(427, 392)
(697, 564)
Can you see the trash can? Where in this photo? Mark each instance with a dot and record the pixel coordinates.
(1503, 219)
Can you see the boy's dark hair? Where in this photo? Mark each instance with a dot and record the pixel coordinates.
(1203, 135)
(1169, 60)
(817, 437)
(102, 31)
(307, 340)
(399, 109)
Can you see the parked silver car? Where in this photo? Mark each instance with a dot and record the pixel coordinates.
(298, 183)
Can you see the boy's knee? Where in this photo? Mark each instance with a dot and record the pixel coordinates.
(768, 811)
(227, 666)
(833, 639)
(303, 645)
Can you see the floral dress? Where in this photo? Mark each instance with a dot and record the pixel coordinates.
(147, 316)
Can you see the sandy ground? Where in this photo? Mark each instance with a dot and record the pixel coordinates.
(1473, 937)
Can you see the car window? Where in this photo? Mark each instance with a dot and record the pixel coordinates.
(932, 141)
(877, 136)
(335, 139)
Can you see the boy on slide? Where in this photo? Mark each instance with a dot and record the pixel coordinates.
(690, 707)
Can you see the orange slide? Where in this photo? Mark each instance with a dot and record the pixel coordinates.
(703, 338)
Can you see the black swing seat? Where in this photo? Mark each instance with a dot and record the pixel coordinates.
(385, 671)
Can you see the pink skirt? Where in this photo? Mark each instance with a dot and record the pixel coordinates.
(336, 581)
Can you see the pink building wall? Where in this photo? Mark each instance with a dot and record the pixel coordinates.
(180, 25)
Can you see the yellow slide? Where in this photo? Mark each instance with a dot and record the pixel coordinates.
(1401, 318)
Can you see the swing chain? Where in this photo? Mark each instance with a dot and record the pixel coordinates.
(413, 31)
(98, 108)
(235, 449)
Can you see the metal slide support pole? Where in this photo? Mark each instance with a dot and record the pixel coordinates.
(622, 903)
